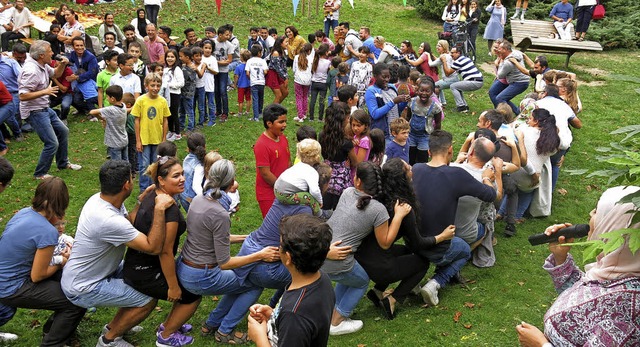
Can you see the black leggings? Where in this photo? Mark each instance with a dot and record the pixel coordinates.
(417, 156)
(174, 106)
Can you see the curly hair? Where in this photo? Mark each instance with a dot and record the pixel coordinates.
(307, 239)
(308, 150)
(397, 185)
(370, 176)
(333, 136)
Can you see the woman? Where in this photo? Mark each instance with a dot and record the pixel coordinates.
(597, 307)
(422, 63)
(156, 275)
(204, 265)
(388, 52)
(399, 262)
(495, 26)
(568, 90)
(451, 15)
(60, 14)
(70, 29)
(584, 11)
(407, 52)
(293, 43)
(277, 76)
(445, 81)
(109, 25)
(541, 140)
(473, 21)
(26, 248)
(358, 214)
(140, 23)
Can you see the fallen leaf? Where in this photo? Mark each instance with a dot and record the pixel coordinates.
(469, 305)
(158, 309)
(456, 317)
(94, 149)
(361, 345)
(521, 284)
(215, 298)
(467, 326)
(444, 333)
(564, 192)
(34, 324)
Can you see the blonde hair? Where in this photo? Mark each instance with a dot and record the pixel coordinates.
(209, 159)
(245, 55)
(444, 44)
(152, 77)
(571, 93)
(309, 151)
(506, 111)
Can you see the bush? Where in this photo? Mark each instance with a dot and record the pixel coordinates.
(617, 30)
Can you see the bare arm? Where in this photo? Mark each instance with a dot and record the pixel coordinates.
(168, 262)
(386, 233)
(267, 175)
(40, 269)
(269, 254)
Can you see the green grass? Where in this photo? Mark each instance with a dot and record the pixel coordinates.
(515, 289)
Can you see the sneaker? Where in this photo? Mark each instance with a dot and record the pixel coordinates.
(64, 121)
(184, 329)
(170, 135)
(43, 177)
(347, 326)
(118, 342)
(74, 167)
(174, 340)
(463, 109)
(211, 123)
(5, 337)
(26, 128)
(177, 137)
(136, 329)
(223, 117)
(430, 293)
(93, 119)
(510, 230)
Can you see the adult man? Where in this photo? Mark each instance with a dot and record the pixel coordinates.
(331, 11)
(129, 37)
(367, 41)
(21, 23)
(562, 15)
(34, 90)
(191, 38)
(85, 67)
(9, 71)
(164, 32)
(93, 274)
(438, 179)
(471, 77)
(155, 45)
(351, 42)
(538, 68)
(517, 82)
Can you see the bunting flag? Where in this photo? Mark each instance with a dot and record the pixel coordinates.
(351, 3)
(133, 3)
(295, 6)
(219, 5)
(188, 4)
(404, 2)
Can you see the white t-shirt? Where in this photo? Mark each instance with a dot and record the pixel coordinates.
(129, 83)
(199, 81)
(209, 83)
(257, 68)
(222, 51)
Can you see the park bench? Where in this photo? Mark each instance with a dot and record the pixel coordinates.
(534, 35)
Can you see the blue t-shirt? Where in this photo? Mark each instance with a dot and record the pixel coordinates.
(564, 11)
(395, 150)
(243, 79)
(25, 233)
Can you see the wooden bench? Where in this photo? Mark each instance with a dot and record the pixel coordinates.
(27, 40)
(534, 35)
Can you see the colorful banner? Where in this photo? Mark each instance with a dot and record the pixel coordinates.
(188, 4)
(295, 6)
(219, 5)
(351, 3)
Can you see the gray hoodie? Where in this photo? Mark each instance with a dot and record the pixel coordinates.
(509, 71)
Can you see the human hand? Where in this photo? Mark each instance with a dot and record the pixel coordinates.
(51, 90)
(338, 252)
(488, 173)
(260, 313)
(139, 147)
(174, 294)
(164, 201)
(269, 254)
(63, 89)
(558, 249)
(462, 156)
(72, 78)
(497, 165)
(530, 336)
(401, 209)
(146, 191)
(257, 331)
(535, 179)
(447, 234)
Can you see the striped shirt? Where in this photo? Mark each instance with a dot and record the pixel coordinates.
(466, 69)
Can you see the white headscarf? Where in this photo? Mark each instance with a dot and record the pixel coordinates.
(612, 216)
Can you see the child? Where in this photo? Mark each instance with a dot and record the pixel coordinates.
(110, 43)
(242, 83)
(272, 155)
(115, 132)
(255, 38)
(188, 91)
(167, 149)
(319, 71)
(413, 79)
(256, 69)
(403, 86)
(193, 166)
(306, 132)
(128, 100)
(224, 51)
(378, 144)
(303, 315)
(199, 95)
(331, 79)
(343, 75)
(302, 80)
(172, 83)
(210, 70)
(151, 113)
(125, 78)
(349, 95)
(360, 122)
(361, 73)
(104, 77)
(399, 148)
(425, 116)
(298, 185)
(139, 67)
(51, 36)
(65, 242)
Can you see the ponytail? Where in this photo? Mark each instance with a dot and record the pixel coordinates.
(303, 60)
(320, 52)
(549, 141)
(196, 144)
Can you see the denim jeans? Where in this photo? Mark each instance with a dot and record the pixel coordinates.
(555, 166)
(232, 68)
(152, 13)
(450, 263)
(55, 136)
(7, 113)
(84, 105)
(186, 108)
(257, 94)
(500, 92)
(118, 153)
(329, 25)
(444, 83)
(317, 88)
(198, 100)
(222, 99)
(524, 201)
(65, 100)
(211, 107)
(447, 27)
(145, 158)
(213, 281)
(350, 288)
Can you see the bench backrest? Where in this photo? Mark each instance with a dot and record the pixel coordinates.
(532, 28)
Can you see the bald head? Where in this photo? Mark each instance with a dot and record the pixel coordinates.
(483, 149)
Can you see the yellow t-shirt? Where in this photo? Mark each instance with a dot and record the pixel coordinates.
(152, 113)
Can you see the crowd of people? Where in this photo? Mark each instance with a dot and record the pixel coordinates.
(335, 215)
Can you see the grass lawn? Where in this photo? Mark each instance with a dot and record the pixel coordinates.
(485, 313)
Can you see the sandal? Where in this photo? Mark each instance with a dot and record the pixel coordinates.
(206, 330)
(581, 39)
(371, 295)
(231, 338)
(389, 311)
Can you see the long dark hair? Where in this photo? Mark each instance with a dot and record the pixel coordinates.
(370, 176)
(397, 186)
(142, 22)
(175, 54)
(320, 53)
(277, 46)
(333, 136)
(196, 144)
(549, 141)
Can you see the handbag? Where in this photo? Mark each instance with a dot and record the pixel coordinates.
(598, 12)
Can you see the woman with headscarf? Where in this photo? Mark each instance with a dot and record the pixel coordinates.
(598, 307)
(140, 23)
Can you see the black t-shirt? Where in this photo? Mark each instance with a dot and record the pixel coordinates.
(143, 263)
(303, 316)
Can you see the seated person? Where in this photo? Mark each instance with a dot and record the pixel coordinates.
(562, 15)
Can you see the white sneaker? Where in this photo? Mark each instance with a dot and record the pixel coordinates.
(74, 167)
(118, 342)
(5, 337)
(136, 329)
(430, 293)
(347, 326)
(170, 136)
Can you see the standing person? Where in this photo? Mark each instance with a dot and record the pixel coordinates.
(319, 70)
(188, 91)
(224, 55)
(72, 28)
(521, 10)
(302, 80)
(27, 246)
(495, 26)
(21, 22)
(210, 71)
(383, 101)
(303, 316)
(172, 83)
(272, 155)
(331, 10)
(93, 274)
(115, 132)
(446, 80)
(425, 116)
(562, 15)
(359, 125)
(473, 22)
(293, 43)
(584, 11)
(277, 76)
(152, 7)
(242, 84)
(109, 26)
(199, 98)
(450, 15)
(85, 72)
(35, 89)
(256, 69)
(140, 23)
(471, 78)
(361, 73)
(125, 77)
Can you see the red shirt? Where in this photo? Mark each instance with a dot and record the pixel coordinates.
(5, 96)
(272, 154)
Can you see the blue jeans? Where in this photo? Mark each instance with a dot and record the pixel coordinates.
(55, 136)
(350, 288)
(257, 94)
(450, 263)
(447, 27)
(118, 153)
(213, 281)
(555, 166)
(500, 92)
(211, 107)
(198, 101)
(65, 100)
(145, 158)
(84, 105)
(222, 99)
(186, 107)
(7, 114)
(329, 25)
